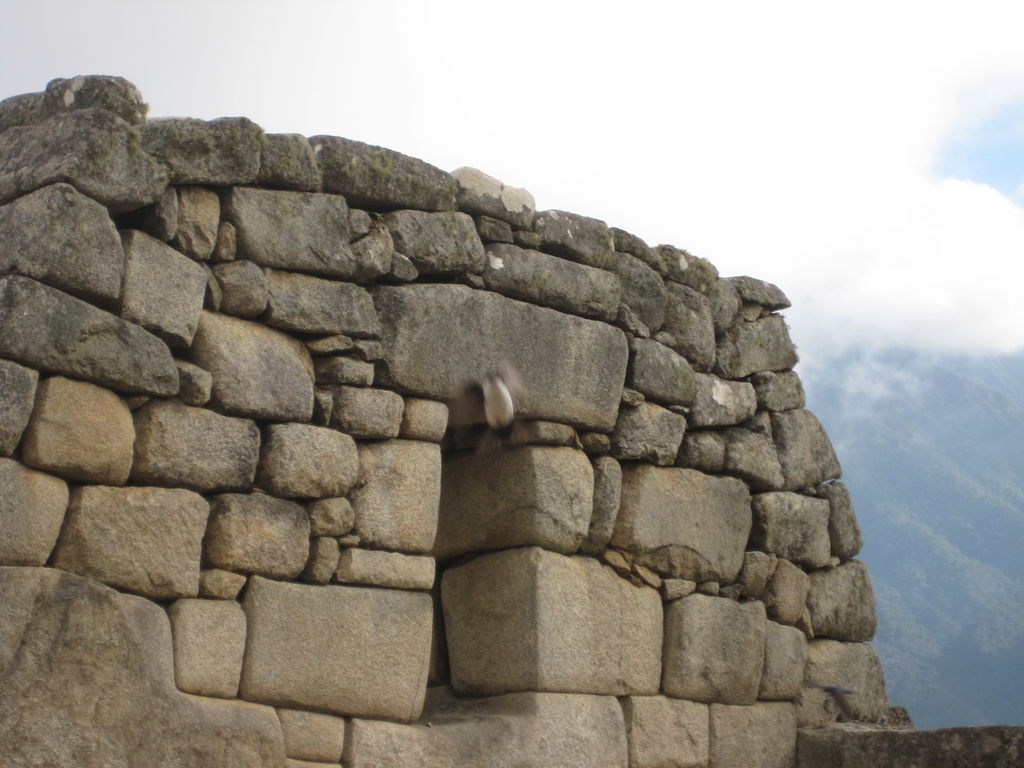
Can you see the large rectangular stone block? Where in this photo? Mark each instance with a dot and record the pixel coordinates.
(32, 506)
(683, 522)
(573, 368)
(805, 452)
(763, 345)
(848, 665)
(791, 526)
(761, 736)
(209, 641)
(528, 619)
(842, 602)
(345, 650)
(527, 496)
(666, 733)
(307, 304)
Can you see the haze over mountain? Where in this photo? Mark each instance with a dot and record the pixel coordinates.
(932, 448)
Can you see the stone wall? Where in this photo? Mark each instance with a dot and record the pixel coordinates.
(236, 530)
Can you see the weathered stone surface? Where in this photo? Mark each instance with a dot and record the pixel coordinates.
(58, 711)
(755, 291)
(311, 735)
(436, 243)
(683, 523)
(300, 460)
(324, 553)
(227, 242)
(17, 395)
(479, 193)
(385, 569)
(159, 219)
(627, 242)
(791, 526)
(114, 94)
(719, 403)
(331, 345)
(842, 602)
(376, 252)
(194, 384)
(493, 230)
(254, 533)
(648, 432)
(714, 649)
(219, 584)
(643, 290)
(424, 419)
(689, 328)
(519, 730)
(198, 221)
(573, 374)
(396, 505)
(551, 282)
(374, 177)
(848, 665)
(703, 450)
(219, 152)
(843, 529)
(785, 596)
(751, 456)
(311, 305)
(785, 657)
(607, 491)
(32, 506)
(805, 452)
(758, 568)
(179, 445)
(666, 733)
(331, 517)
(163, 290)
(209, 641)
(287, 160)
(778, 391)
(338, 649)
(344, 369)
(369, 413)
(93, 150)
(144, 540)
(761, 736)
(80, 431)
(64, 239)
(579, 238)
(725, 305)
(257, 371)
(673, 589)
(763, 345)
(660, 374)
(49, 330)
(533, 495)
(528, 619)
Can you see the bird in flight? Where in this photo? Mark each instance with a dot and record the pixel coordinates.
(840, 696)
(490, 401)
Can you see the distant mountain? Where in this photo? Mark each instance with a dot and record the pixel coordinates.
(932, 448)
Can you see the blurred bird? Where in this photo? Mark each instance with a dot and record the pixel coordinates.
(491, 401)
(839, 696)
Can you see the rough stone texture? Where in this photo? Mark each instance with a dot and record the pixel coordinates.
(144, 540)
(32, 506)
(311, 735)
(179, 445)
(194, 384)
(58, 711)
(114, 94)
(643, 290)
(574, 370)
(93, 150)
(725, 305)
(755, 291)
(424, 420)
(528, 619)
(367, 413)
(848, 665)
(683, 523)
(519, 730)
(579, 238)
(758, 568)
(493, 230)
(17, 395)
(338, 649)
(253, 533)
(648, 432)
(330, 345)
(51, 331)
(720, 403)
(666, 733)
(257, 371)
(385, 569)
(436, 243)
(673, 589)
(324, 553)
(805, 452)
(311, 305)
(791, 526)
(374, 252)
(714, 649)
(785, 595)
(217, 152)
(209, 641)
(761, 736)
(481, 194)
(64, 239)
(198, 222)
(344, 370)
(843, 529)
(660, 374)
(331, 517)
(842, 603)
(785, 657)
(763, 345)
(227, 242)
(551, 282)
(375, 178)
(607, 491)
(219, 584)
(300, 460)
(396, 505)
(748, 455)
(778, 391)
(159, 219)
(287, 161)
(533, 495)
(689, 328)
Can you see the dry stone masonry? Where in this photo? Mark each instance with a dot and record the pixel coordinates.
(236, 531)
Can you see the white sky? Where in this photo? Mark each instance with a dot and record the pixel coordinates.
(796, 142)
